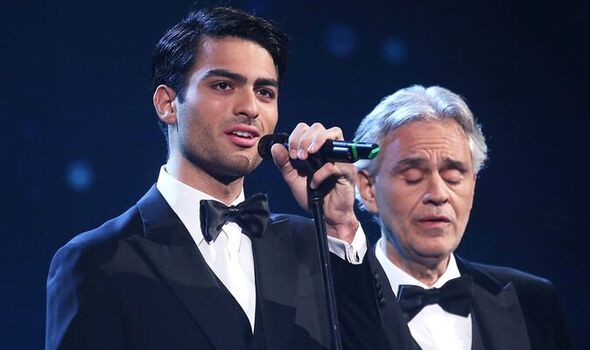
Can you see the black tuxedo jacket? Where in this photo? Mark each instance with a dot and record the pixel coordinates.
(512, 310)
(140, 282)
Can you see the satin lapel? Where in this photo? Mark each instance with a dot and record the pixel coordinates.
(169, 248)
(275, 265)
(497, 311)
(392, 319)
(476, 337)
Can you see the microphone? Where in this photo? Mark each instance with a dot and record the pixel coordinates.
(331, 150)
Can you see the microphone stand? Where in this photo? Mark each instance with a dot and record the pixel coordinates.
(316, 204)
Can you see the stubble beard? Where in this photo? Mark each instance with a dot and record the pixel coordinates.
(225, 168)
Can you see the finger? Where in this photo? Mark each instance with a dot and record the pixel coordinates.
(307, 137)
(294, 139)
(303, 136)
(313, 138)
(320, 137)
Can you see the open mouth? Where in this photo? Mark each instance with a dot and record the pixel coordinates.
(243, 134)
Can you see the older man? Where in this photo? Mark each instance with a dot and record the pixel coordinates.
(420, 190)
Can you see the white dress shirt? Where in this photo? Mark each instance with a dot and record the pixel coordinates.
(230, 255)
(433, 328)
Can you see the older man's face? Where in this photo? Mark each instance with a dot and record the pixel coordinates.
(423, 190)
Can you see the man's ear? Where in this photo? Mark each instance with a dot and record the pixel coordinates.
(366, 189)
(165, 104)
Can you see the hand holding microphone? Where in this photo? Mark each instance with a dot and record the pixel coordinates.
(319, 154)
(326, 188)
(330, 151)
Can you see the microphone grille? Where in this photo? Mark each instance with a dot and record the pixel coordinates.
(266, 142)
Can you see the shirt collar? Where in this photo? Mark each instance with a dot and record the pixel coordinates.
(185, 202)
(398, 276)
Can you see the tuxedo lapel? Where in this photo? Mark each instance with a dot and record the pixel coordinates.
(169, 248)
(395, 323)
(275, 265)
(496, 310)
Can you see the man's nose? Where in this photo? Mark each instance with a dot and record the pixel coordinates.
(437, 191)
(247, 104)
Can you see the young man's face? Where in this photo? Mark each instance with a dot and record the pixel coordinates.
(230, 101)
(423, 190)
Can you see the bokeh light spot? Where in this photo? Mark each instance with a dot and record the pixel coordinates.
(394, 51)
(79, 175)
(341, 40)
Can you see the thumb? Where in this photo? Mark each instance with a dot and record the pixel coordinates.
(280, 156)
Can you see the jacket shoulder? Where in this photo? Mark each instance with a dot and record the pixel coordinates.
(524, 282)
(115, 229)
(91, 247)
(81, 304)
(538, 301)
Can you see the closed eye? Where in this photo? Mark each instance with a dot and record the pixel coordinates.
(452, 176)
(412, 176)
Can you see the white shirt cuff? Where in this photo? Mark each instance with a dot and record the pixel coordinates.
(353, 252)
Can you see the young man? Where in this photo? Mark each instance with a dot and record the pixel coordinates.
(180, 270)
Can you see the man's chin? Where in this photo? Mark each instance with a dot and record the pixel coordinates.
(228, 173)
(433, 255)
(226, 168)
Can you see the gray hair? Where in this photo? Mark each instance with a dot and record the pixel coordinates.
(419, 103)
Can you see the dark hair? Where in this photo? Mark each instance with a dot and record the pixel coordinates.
(177, 51)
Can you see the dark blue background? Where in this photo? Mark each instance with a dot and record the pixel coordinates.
(80, 142)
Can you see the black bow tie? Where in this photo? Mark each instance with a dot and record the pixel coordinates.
(455, 297)
(252, 216)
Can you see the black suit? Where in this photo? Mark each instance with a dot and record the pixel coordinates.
(511, 309)
(140, 282)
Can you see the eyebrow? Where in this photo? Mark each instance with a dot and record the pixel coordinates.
(416, 162)
(408, 163)
(266, 82)
(454, 164)
(240, 78)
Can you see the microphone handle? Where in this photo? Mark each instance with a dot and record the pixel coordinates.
(347, 152)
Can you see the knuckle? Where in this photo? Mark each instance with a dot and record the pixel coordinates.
(336, 130)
